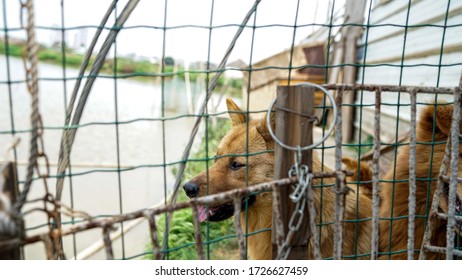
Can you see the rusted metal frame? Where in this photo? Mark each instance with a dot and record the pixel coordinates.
(392, 88)
(313, 227)
(455, 134)
(56, 237)
(197, 232)
(444, 216)
(412, 178)
(443, 250)
(31, 69)
(339, 181)
(206, 200)
(48, 247)
(238, 226)
(447, 179)
(154, 237)
(293, 130)
(108, 242)
(222, 197)
(375, 176)
(426, 247)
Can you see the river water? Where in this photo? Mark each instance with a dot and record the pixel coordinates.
(103, 191)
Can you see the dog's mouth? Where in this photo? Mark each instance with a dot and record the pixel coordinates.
(223, 212)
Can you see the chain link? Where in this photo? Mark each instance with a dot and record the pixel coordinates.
(298, 196)
(30, 61)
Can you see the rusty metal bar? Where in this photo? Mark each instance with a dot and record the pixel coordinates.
(237, 225)
(444, 216)
(375, 177)
(435, 204)
(392, 88)
(197, 233)
(313, 227)
(339, 181)
(442, 250)
(221, 197)
(412, 179)
(454, 172)
(108, 242)
(447, 179)
(48, 247)
(154, 237)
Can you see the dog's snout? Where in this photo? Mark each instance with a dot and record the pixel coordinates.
(191, 189)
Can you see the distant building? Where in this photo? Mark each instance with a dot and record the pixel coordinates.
(424, 46)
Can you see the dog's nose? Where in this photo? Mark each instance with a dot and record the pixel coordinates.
(191, 189)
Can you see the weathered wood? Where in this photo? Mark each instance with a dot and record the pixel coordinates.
(295, 130)
(334, 76)
(8, 193)
(354, 13)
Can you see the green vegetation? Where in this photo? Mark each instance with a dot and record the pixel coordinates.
(363, 147)
(125, 65)
(182, 229)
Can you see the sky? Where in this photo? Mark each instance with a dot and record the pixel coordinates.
(144, 36)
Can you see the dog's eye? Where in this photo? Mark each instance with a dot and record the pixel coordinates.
(236, 165)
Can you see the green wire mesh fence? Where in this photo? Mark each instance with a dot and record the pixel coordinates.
(112, 136)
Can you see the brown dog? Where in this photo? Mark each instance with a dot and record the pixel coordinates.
(229, 172)
(394, 207)
(363, 178)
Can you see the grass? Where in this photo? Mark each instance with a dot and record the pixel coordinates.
(181, 235)
(124, 65)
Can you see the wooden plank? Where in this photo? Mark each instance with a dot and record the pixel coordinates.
(334, 75)
(292, 129)
(417, 17)
(420, 42)
(354, 15)
(384, 11)
(425, 74)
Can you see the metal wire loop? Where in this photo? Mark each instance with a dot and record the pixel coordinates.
(329, 131)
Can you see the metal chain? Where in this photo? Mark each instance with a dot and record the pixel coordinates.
(298, 196)
(30, 60)
(36, 149)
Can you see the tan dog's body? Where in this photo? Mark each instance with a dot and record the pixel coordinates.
(229, 172)
(394, 197)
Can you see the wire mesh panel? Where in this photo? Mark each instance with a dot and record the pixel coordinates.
(144, 127)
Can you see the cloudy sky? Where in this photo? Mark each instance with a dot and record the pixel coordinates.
(145, 35)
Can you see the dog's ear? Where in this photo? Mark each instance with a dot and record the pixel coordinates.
(262, 127)
(443, 120)
(236, 115)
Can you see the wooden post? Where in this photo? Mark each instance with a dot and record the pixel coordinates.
(295, 130)
(8, 193)
(354, 13)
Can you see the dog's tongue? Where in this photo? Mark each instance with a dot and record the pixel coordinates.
(202, 213)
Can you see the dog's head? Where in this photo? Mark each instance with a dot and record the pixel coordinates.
(240, 161)
(434, 126)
